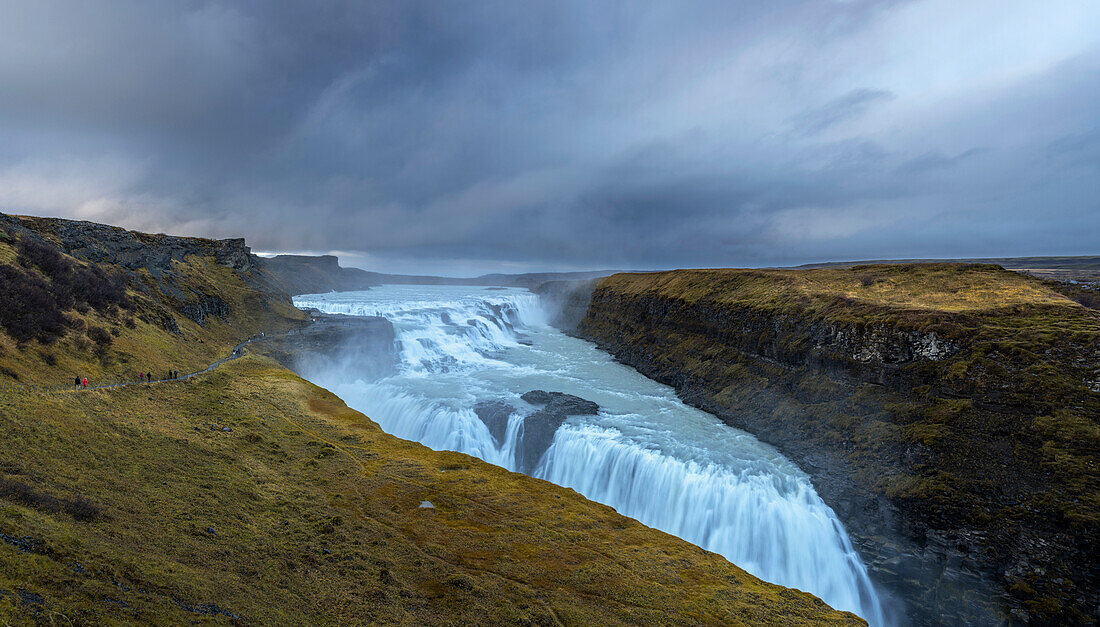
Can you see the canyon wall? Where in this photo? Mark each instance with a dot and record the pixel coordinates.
(947, 412)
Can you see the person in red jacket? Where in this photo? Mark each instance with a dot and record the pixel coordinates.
(84, 382)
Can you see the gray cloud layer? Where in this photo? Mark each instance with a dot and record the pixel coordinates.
(461, 137)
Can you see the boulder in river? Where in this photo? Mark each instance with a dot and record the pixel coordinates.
(539, 427)
(495, 415)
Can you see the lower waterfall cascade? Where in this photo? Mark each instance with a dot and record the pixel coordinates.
(645, 453)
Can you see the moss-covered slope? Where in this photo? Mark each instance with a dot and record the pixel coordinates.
(949, 412)
(251, 493)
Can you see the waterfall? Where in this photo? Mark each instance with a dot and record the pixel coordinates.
(670, 466)
(775, 526)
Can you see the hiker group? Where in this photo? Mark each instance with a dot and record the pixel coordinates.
(147, 377)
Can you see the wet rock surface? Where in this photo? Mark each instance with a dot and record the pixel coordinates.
(539, 427)
(495, 415)
(363, 345)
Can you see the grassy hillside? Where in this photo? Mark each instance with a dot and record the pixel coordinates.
(304, 511)
(248, 495)
(965, 395)
(154, 319)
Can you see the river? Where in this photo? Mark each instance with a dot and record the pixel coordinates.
(648, 455)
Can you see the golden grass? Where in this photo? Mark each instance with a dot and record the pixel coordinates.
(942, 287)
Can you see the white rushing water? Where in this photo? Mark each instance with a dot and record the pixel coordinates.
(646, 454)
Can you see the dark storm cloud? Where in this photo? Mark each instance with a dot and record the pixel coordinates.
(454, 136)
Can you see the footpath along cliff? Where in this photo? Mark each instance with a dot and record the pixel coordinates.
(949, 413)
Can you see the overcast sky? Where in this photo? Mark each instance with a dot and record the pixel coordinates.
(468, 137)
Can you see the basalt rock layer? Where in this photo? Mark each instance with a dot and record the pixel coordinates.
(102, 243)
(947, 412)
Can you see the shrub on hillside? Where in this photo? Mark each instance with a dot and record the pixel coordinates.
(1088, 299)
(45, 283)
(97, 289)
(28, 309)
(74, 285)
(44, 257)
(99, 335)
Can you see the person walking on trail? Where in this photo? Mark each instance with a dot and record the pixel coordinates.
(76, 381)
(141, 377)
(85, 382)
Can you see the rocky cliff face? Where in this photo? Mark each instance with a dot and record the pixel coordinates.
(303, 274)
(99, 299)
(568, 300)
(932, 432)
(101, 243)
(206, 306)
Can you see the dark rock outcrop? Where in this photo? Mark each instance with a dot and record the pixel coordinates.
(537, 432)
(101, 243)
(203, 307)
(540, 426)
(495, 415)
(168, 323)
(361, 346)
